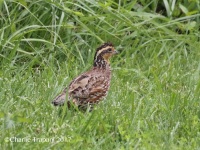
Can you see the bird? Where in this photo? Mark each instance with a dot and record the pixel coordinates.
(92, 86)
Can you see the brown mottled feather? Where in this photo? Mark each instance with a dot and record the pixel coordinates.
(93, 85)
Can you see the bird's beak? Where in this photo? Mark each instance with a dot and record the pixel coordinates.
(115, 52)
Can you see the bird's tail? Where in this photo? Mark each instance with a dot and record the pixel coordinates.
(60, 99)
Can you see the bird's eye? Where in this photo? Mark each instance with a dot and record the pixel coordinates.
(110, 50)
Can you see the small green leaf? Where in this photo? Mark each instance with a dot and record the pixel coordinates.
(78, 13)
(183, 8)
(23, 2)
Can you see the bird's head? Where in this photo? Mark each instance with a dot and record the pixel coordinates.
(103, 54)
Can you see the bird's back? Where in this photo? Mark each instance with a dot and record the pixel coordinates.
(90, 87)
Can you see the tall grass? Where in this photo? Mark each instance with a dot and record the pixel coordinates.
(153, 102)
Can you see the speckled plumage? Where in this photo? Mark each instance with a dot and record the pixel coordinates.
(92, 86)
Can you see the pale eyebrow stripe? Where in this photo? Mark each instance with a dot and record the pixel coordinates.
(103, 50)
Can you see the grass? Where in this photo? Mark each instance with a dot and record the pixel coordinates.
(153, 102)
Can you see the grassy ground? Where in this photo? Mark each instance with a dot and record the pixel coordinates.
(154, 100)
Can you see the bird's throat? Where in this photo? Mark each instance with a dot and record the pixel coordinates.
(102, 63)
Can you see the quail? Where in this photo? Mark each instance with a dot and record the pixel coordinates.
(90, 87)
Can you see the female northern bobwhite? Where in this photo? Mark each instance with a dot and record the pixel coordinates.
(90, 87)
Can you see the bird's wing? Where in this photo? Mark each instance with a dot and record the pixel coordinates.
(85, 85)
